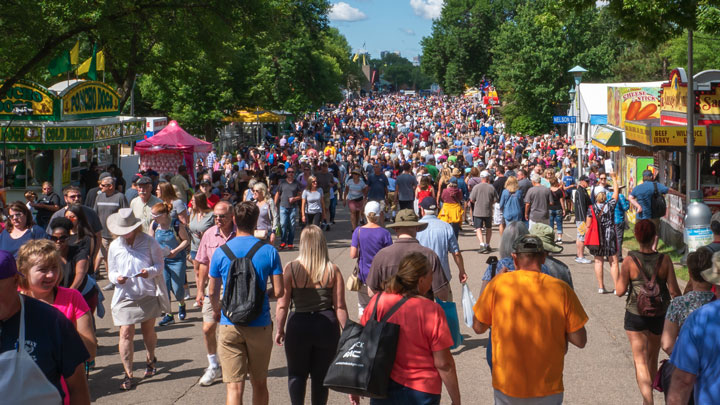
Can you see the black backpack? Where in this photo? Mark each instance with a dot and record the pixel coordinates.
(658, 207)
(243, 299)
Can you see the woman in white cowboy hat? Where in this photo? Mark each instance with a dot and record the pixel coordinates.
(134, 261)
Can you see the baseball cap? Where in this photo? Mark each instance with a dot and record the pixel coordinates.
(105, 175)
(528, 244)
(485, 173)
(372, 207)
(583, 178)
(204, 182)
(143, 180)
(8, 268)
(428, 203)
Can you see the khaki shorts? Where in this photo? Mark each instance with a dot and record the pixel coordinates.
(207, 312)
(656, 221)
(244, 350)
(104, 246)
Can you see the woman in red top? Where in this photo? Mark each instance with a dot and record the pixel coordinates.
(422, 361)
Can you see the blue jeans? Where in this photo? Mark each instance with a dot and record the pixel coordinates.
(174, 272)
(401, 395)
(556, 219)
(287, 224)
(333, 208)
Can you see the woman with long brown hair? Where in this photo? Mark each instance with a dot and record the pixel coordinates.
(201, 219)
(166, 192)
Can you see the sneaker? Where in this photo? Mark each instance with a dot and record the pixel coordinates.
(291, 246)
(196, 305)
(211, 375)
(109, 287)
(282, 246)
(583, 260)
(601, 291)
(187, 296)
(182, 313)
(168, 319)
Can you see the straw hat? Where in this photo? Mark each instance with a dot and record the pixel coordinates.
(123, 222)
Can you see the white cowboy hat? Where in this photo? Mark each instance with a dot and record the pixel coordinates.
(123, 222)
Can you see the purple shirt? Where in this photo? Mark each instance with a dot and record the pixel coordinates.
(370, 242)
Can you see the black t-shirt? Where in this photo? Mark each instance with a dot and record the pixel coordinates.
(499, 184)
(76, 253)
(50, 339)
(43, 215)
(582, 202)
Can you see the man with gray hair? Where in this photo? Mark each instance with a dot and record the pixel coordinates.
(107, 203)
(483, 195)
(537, 202)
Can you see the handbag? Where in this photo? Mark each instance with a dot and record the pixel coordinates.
(353, 282)
(260, 234)
(592, 234)
(162, 294)
(365, 355)
(451, 314)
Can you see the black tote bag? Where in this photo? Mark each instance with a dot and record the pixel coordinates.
(365, 356)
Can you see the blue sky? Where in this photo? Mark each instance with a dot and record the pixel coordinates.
(385, 25)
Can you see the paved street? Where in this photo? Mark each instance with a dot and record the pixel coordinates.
(602, 373)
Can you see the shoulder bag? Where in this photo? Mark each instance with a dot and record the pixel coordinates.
(365, 355)
(592, 234)
(353, 282)
(658, 207)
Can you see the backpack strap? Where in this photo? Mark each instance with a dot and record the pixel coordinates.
(226, 249)
(254, 249)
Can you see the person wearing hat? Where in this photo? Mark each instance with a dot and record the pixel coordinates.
(366, 242)
(52, 348)
(696, 354)
(452, 208)
(441, 238)
(135, 259)
(107, 203)
(95, 191)
(143, 203)
(641, 197)
(551, 317)
(553, 266)
(385, 263)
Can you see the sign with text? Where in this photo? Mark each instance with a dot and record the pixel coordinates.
(22, 134)
(663, 135)
(69, 134)
(89, 99)
(30, 94)
(710, 102)
(632, 103)
(564, 119)
(674, 94)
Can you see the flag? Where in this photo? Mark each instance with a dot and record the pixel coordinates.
(355, 58)
(99, 64)
(92, 70)
(364, 61)
(60, 64)
(75, 54)
(100, 61)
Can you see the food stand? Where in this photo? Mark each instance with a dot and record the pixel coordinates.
(69, 125)
(665, 138)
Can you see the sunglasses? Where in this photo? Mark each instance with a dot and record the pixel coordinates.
(73, 196)
(58, 238)
(105, 185)
(16, 216)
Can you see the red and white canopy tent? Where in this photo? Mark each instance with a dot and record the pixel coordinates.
(170, 148)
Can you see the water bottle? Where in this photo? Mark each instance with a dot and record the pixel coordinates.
(697, 222)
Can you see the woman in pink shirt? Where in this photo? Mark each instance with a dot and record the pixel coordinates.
(39, 262)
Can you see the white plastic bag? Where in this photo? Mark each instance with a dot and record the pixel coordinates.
(467, 304)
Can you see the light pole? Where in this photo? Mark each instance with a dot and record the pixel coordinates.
(577, 73)
(571, 93)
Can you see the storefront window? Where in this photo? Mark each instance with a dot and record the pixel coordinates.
(40, 167)
(16, 170)
(710, 176)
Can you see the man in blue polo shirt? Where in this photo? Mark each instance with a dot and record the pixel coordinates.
(696, 354)
(641, 199)
(246, 349)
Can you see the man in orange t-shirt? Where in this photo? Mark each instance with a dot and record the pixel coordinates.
(533, 317)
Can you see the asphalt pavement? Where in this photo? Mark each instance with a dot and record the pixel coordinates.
(601, 373)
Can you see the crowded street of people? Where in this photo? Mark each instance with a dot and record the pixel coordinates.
(229, 203)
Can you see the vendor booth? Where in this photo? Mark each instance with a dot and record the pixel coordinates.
(664, 138)
(170, 148)
(246, 127)
(53, 134)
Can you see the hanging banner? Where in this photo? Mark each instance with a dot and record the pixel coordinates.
(66, 167)
(631, 104)
(69, 134)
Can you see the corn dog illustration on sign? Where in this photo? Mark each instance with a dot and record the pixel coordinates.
(632, 104)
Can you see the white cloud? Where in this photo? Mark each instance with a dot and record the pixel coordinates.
(427, 8)
(408, 31)
(344, 12)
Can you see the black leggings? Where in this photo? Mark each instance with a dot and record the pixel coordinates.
(311, 340)
(313, 219)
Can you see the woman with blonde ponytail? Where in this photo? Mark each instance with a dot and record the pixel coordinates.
(423, 362)
(316, 289)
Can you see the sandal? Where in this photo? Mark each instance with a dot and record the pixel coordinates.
(150, 369)
(127, 383)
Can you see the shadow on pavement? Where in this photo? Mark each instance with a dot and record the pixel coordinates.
(469, 344)
(107, 381)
